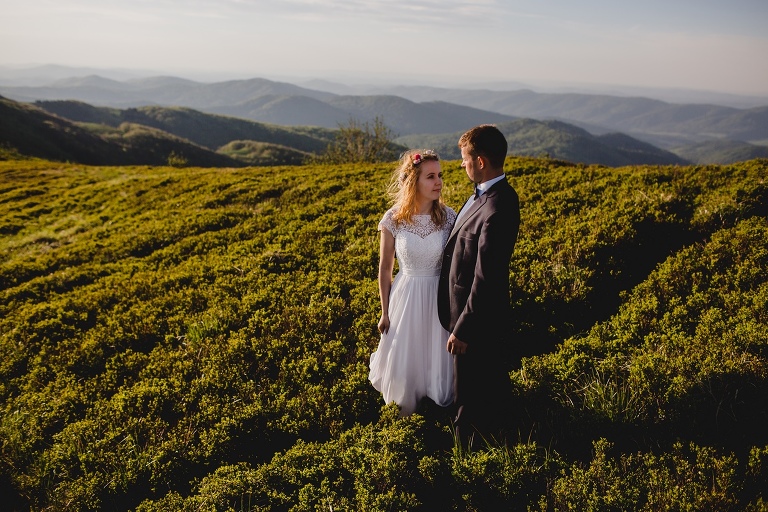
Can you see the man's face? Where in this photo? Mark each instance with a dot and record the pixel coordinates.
(471, 164)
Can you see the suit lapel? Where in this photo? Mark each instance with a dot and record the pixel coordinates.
(479, 202)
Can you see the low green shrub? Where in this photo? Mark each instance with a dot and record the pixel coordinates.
(185, 338)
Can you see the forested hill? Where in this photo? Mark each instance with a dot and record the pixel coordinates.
(210, 131)
(694, 125)
(78, 132)
(32, 131)
(558, 140)
(198, 339)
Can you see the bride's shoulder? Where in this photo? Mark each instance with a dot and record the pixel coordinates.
(388, 220)
(451, 212)
(389, 215)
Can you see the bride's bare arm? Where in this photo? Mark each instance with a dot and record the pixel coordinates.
(386, 266)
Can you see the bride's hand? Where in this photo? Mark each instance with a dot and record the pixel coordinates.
(384, 324)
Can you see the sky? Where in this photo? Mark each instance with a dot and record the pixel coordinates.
(682, 44)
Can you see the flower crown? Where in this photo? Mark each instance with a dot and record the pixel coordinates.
(417, 158)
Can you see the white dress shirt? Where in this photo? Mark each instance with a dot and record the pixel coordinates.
(480, 189)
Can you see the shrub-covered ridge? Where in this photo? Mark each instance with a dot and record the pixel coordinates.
(195, 339)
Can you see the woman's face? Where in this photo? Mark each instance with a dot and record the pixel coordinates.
(430, 182)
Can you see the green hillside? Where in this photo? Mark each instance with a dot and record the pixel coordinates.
(562, 141)
(84, 133)
(286, 111)
(407, 117)
(268, 143)
(657, 122)
(264, 153)
(210, 131)
(403, 116)
(35, 132)
(198, 339)
(725, 151)
(685, 118)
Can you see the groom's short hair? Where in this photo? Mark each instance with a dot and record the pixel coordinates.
(488, 141)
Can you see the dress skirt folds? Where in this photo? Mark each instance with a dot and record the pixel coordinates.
(411, 361)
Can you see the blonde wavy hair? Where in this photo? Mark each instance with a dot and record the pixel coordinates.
(402, 188)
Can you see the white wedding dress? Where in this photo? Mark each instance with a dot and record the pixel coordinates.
(411, 361)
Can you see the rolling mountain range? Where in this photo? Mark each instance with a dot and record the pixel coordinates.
(714, 152)
(405, 117)
(168, 91)
(150, 136)
(666, 125)
(555, 139)
(263, 122)
(210, 131)
(32, 131)
(412, 110)
(76, 131)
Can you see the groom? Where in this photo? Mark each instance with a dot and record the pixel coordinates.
(473, 294)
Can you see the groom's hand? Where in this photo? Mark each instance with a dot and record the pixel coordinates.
(456, 346)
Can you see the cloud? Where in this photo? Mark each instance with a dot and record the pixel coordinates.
(399, 12)
(677, 43)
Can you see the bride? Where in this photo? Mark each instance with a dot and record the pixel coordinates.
(411, 361)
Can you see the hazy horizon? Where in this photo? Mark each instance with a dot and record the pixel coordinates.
(685, 45)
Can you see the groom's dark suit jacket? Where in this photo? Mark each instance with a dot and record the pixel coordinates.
(473, 294)
(473, 298)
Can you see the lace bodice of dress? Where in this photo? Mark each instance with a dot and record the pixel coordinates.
(419, 245)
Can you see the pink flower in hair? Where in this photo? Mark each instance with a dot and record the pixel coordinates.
(416, 159)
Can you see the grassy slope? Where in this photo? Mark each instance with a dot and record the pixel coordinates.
(177, 338)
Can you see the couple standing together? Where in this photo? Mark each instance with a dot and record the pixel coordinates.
(444, 316)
